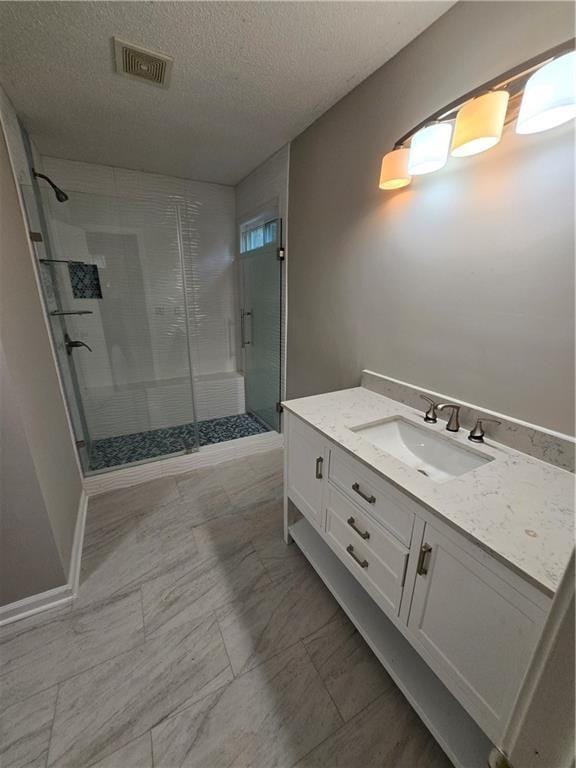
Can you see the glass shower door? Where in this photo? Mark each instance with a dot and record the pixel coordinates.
(118, 273)
(261, 271)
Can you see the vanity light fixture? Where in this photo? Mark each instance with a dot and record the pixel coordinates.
(429, 149)
(547, 84)
(394, 171)
(479, 124)
(549, 97)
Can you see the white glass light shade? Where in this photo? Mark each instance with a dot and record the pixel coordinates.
(549, 96)
(429, 149)
(394, 172)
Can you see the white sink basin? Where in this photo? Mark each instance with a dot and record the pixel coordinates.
(436, 456)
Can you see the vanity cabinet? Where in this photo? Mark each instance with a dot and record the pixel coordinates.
(472, 626)
(472, 620)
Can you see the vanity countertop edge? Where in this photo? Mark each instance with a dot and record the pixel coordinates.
(517, 508)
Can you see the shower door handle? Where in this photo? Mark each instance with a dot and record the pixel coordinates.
(243, 315)
(249, 340)
(243, 341)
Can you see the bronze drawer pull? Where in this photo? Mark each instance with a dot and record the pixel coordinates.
(422, 567)
(354, 556)
(369, 499)
(352, 523)
(319, 463)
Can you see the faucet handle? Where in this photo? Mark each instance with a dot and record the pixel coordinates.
(430, 416)
(477, 433)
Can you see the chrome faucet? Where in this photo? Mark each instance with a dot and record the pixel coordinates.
(454, 420)
(430, 416)
(477, 434)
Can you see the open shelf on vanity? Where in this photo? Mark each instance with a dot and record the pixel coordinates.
(462, 740)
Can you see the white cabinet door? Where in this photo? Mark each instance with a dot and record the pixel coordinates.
(474, 629)
(307, 466)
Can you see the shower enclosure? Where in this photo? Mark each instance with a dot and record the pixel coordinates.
(126, 289)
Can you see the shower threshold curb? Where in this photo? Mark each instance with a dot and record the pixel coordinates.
(207, 456)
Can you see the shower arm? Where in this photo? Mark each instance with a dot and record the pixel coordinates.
(61, 196)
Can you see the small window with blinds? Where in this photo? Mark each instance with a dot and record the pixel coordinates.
(256, 237)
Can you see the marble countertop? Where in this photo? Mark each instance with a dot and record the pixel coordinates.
(516, 507)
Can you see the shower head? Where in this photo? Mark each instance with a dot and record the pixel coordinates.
(60, 195)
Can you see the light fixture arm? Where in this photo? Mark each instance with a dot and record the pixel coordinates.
(513, 80)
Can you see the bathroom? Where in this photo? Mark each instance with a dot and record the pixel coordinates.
(287, 384)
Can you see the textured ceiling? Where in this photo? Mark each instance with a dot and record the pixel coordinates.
(247, 76)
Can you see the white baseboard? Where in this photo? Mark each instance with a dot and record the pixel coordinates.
(53, 598)
(59, 596)
(207, 456)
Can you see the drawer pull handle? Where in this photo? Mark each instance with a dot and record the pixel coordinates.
(369, 499)
(362, 534)
(319, 463)
(423, 560)
(354, 556)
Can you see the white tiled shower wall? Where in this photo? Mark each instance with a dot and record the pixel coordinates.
(150, 390)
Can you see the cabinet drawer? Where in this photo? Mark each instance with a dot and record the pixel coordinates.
(373, 494)
(377, 561)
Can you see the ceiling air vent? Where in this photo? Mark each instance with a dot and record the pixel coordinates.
(142, 64)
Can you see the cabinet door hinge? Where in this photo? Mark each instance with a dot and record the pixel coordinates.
(279, 408)
(280, 254)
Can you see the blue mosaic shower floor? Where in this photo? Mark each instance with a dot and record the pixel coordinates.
(113, 451)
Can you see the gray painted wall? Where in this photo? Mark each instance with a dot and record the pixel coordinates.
(462, 282)
(29, 560)
(33, 375)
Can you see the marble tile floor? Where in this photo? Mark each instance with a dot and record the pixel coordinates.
(200, 639)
